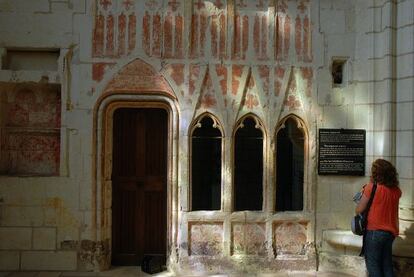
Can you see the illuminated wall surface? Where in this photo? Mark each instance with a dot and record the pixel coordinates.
(67, 66)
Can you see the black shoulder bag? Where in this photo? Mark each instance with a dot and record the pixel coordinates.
(364, 218)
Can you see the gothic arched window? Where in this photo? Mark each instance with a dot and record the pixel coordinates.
(248, 165)
(206, 149)
(290, 156)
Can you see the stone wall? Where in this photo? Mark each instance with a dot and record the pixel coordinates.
(229, 58)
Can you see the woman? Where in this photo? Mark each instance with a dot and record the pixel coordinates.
(382, 225)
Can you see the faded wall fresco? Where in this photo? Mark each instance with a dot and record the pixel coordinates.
(30, 129)
(204, 47)
(290, 238)
(205, 239)
(274, 30)
(249, 239)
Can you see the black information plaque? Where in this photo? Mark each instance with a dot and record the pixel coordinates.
(341, 152)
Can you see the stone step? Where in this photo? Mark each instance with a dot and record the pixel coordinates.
(136, 272)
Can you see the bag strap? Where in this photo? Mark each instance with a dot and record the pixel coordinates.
(371, 198)
(365, 214)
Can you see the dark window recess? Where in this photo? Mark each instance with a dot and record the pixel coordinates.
(248, 163)
(206, 166)
(31, 60)
(290, 166)
(338, 71)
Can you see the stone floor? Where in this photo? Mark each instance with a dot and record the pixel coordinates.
(136, 272)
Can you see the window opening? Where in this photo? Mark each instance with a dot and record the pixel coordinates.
(290, 167)
(338, 67)
(206, 144)
(248, 166)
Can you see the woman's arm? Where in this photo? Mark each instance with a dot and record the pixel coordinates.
(362, 204)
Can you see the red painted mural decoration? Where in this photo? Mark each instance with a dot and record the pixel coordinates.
(292, 103)
(261, 30)
(303, 32)
(264, 73)
(98, 70)
(279, 75)
(265, 30)
(241, 31)
(208, 21)
(221, 71)
(160, 27)
(208, 94)
(176, 73)
(251, 101)
(105, 3)
(98, 36)
(30, 144)
(307, 75)
(193, 77)
(114, 33)
(282, 31)
(139, 76)
(237, 71)
(218, 29)
(163, 37)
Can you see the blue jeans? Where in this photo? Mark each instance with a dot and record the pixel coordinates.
(378, 253)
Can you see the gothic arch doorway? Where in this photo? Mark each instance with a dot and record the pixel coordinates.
(113, 204)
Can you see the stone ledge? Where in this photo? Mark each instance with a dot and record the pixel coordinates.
(345, 242)
(342, 238)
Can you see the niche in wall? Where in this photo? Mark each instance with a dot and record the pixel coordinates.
(30, 129)
(339, 72)
(46, 60)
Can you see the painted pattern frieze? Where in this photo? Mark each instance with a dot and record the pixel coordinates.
(262, 30)
(303, 31)
(208, 29)
(290, 238)
(248, 239)
(30, 134)
(206, 239)
(203, 47)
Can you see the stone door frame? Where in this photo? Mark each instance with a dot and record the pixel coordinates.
(102, 168)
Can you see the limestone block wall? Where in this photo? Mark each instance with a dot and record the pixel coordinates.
(404, 125)
(380, 80)
(45, 209)
(229, 58)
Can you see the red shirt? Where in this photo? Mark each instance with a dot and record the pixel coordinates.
(383, 214)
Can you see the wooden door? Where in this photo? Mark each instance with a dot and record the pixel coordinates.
(139, 174)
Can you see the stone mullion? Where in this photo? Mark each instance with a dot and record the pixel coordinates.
(271, 173)
(227, 174)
